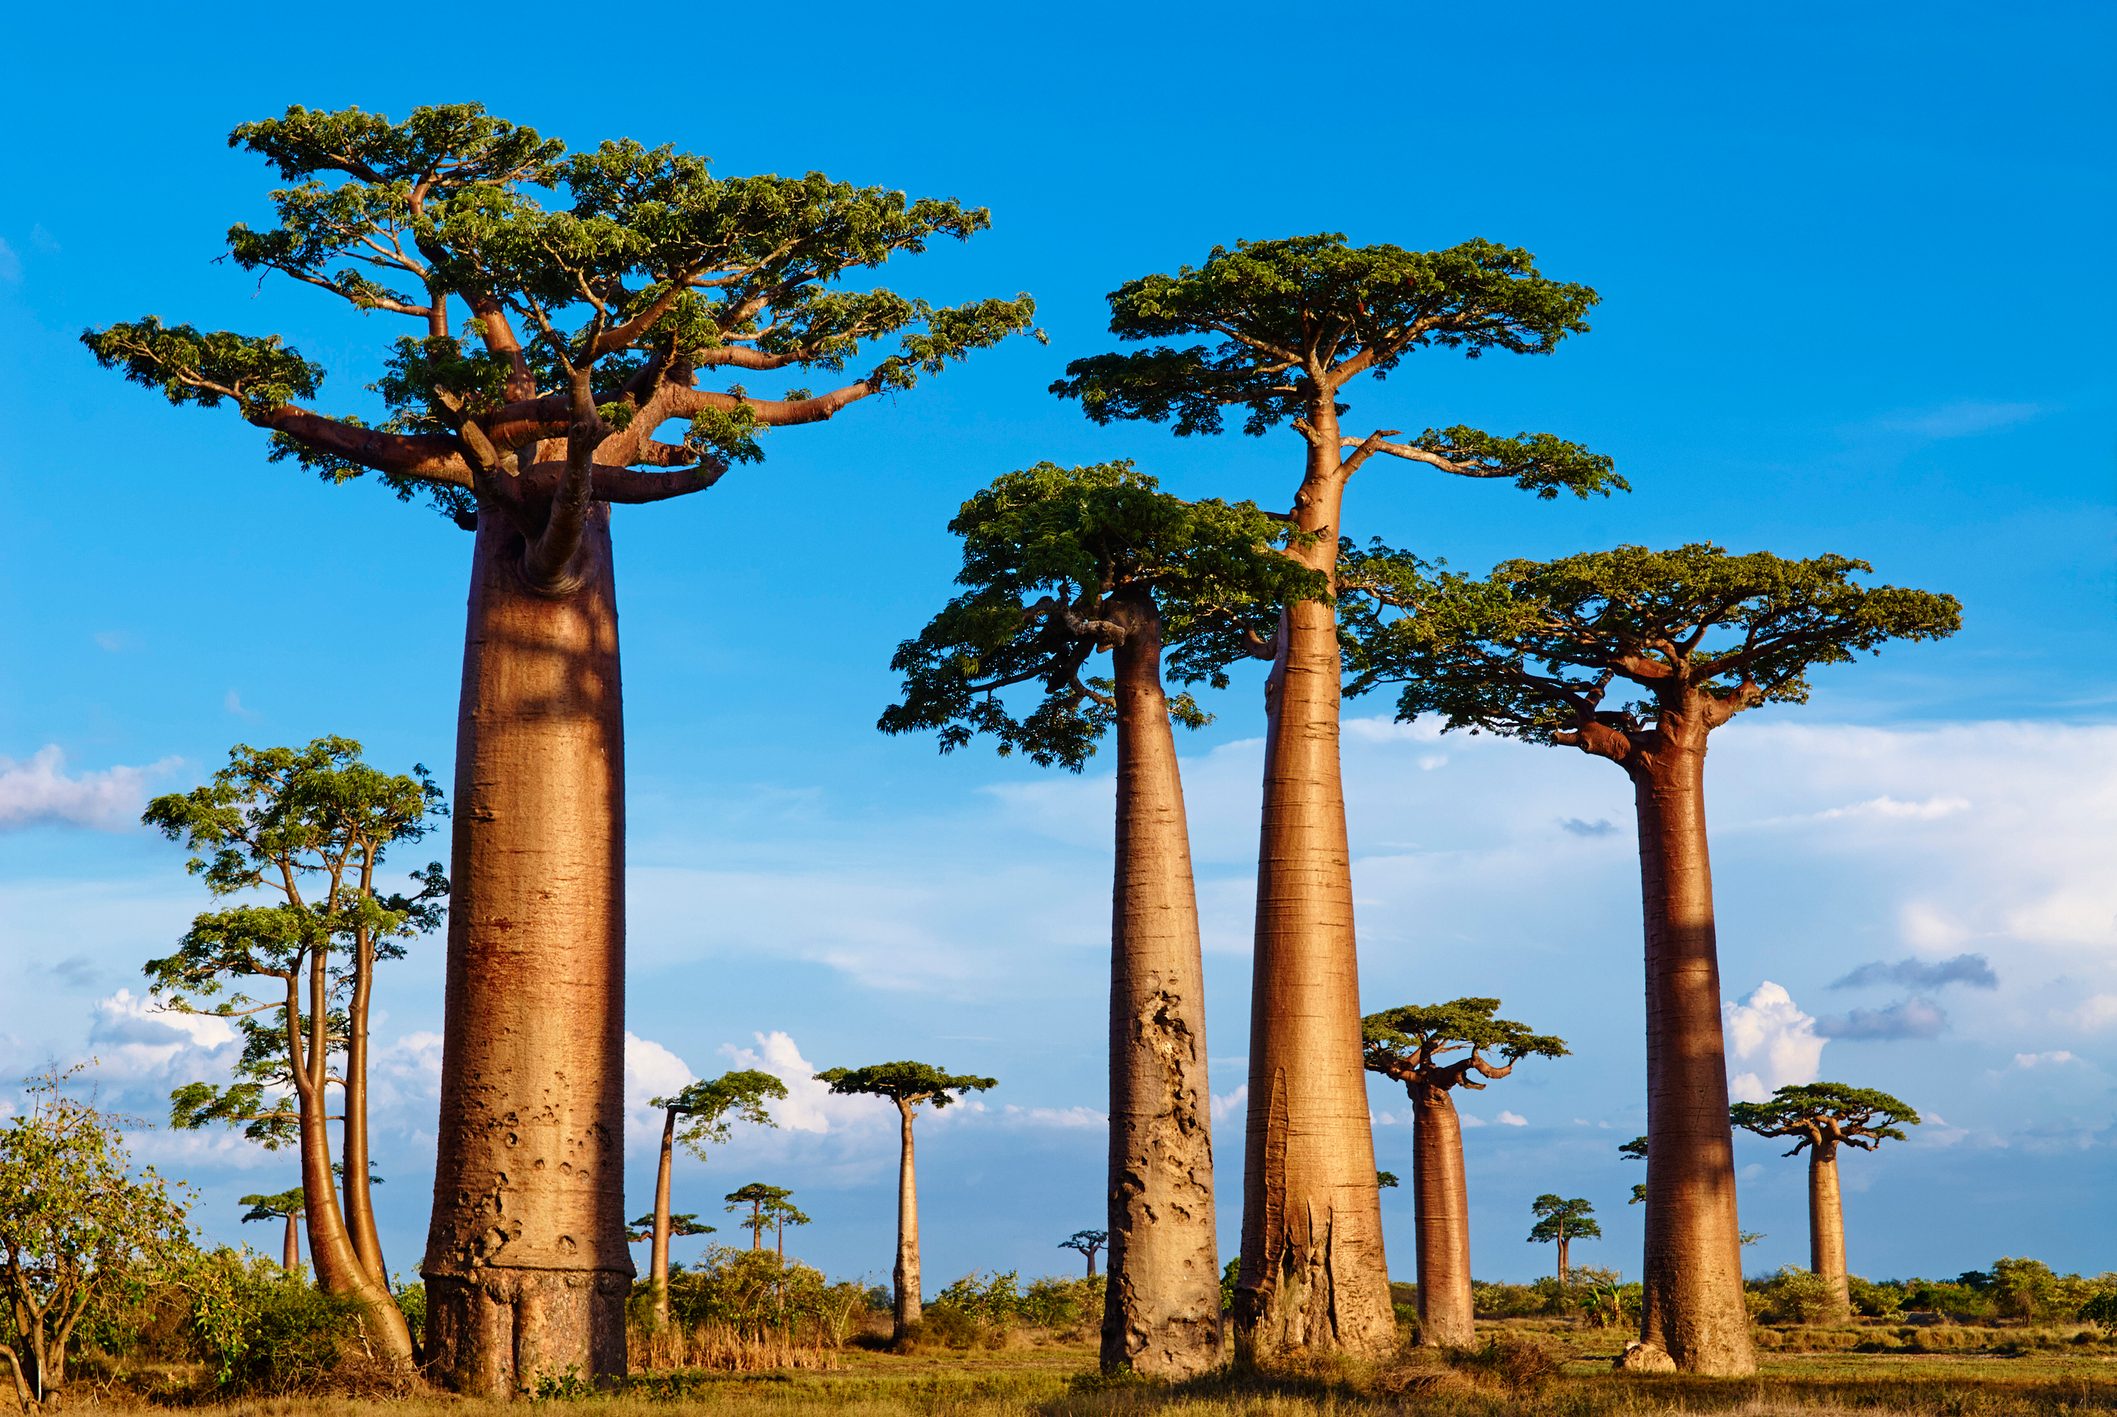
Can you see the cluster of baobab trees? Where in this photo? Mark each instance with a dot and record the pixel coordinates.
(579, 330)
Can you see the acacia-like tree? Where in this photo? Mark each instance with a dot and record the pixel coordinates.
(1562, 1221)
(310, 829)
(581, 330)
(682, 1225)
(286, 1206)
(1281, 329)
(701, 1115)
(771, 1208)
(1820, 1117)
(1088, 1243)
(1415, 1045)
(1059, 565)
(1637, 656)
(907, 1086)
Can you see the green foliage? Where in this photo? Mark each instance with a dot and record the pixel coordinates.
(769, 1206)
(908, 1084)
(1604, 1296)
(189, 365)
(1826, 1115)
(1408, 1043)
(2100, 1309)
(681, 1225)
(1533, 650)
(984, 1308)
(1562, 1219)
(280, 1206)
(1874, 1301)
(1086, 1241)
(708, 1110)
(1230, 1279)
(261, 1330)
(1052, 559)
(2023, 1288)
(757, 1295)
(1386, 1180)
(1795, 1296)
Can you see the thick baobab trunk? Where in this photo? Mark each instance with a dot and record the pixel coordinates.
(526, 1263)
(905, 1274)
(1442, 1201)
(337, 1264)
(1313, 1270)
(1826, 1231)
(1161, 1306)
(358, 1189)
(1693, 1303)
(1562, 1242)
(290, 1255)
(1091, 1264)
(658, 1262)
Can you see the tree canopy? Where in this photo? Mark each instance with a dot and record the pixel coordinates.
(1559, 1218)
(681, 1224)
(1408, 1043)
(563, 308)
(1086, 1241)
(284, 1205)
(1045, 550)
(1826, 1115)
(907, 1084)
(768, 1206)
(708, 1110)
(1534, 650)
(1281, 326)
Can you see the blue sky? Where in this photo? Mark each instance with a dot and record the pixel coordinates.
(1853, 300)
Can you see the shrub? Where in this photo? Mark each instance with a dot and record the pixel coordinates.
(1795, 1296)
(2101, 1310)
(2023, 1289)
(1507, 1301)
(263, 1329)
(1521, 1366)
(1875, 1301)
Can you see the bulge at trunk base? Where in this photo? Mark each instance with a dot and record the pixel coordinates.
(499, 1330)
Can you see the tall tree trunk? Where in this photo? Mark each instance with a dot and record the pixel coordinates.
(1091, 1264)
(1826, 1231)
(290, 1257)
(1313, 1271)
(1161, 1307)
(1442, 1201)
(1693, 1304)
(658, 1264)
(906, 1273)
(526, 1262)
(337, 1264)
(1562, 1242)
(353, 1153)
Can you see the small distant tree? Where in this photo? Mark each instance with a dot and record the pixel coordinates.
(1561, 1221)
(1820, 1117)
(311, 829)
(907, 1086)
(1635, 1150)
(1088, 1242)
(75, 1222)
(1637, 656)
(1386, 1180)
(682, 1225)
(771, 1208)
(1433, 1049)
(286, 1206)
(700, 1116)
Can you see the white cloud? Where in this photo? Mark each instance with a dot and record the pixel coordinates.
(1963, 418)
(1468, 1120)
(2098, 1012)
(233, 703)
(1771, 1041)
(40, 792)
(651, 1071)
(135, 1039)
(1062, 1118)
(1511, 1119)
(2052, 1058)
(1890, 808)
(1230, 1104)
(809, 1106)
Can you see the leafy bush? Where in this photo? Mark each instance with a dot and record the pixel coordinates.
(263, 1329)
(1508, 1301)
(2023, 1289)
(1875, 1301)
(1794, 1296)
(2101, 1310)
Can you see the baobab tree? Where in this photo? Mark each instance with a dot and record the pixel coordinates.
(701, 1115)
(1635, 1150)
(580, 330)
(310, 829)
(1562, 1221)
(1088, 1243)
(286, 1206)
(1414, 1045)
(907, 1086)
(682, 1224)
(1820, 1117)
(1282, 329)
(1637, 656)
(1060, 565)
(771, 1208)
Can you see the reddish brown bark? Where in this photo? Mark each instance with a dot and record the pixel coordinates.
(353, 1153)
(905, 1274)
(1693, 1305)
(658, 1264)
(1313, 1270)
(1442, 1199)
(1161, 1307)
(526, 1263)
(1826, 1230)
(291, 1253)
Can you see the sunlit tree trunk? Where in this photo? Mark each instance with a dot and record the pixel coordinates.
(658, 1263)
(354, 1154)
(1442, 1200)
(290, 1257)
(1826, 1231)
(1693, 1304)
(1313, 1270)
(906, 1272)
(1161, 1307)
(526, 1263)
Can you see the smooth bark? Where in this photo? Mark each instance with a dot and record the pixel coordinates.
(337, 1264)
(290, 1254)
(1693, 1305)
(658, 1264)
(1161, 1306)
(526, 1263)
(1441, 1198)
(1826, 1231)
(354, 1153)
(905, 1275)
(1313, 1270)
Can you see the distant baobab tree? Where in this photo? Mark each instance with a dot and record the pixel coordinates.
(580, 331)
(1637, 656)
(1088, 1242)
(1417, 1046)
(700, 1115)
(681, 1224)
(1635, 1150)
(297, 840)
(1561, 1221)
(908, 1086)
(1281, 329)
(1059, 566)
(286, 1206)
(771, 1208)
(1820, 1117)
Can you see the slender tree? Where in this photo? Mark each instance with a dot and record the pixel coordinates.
(770, 1207)
(1282, 329)
(286, 1206)
(579, 327)
(1562, 1221)
(1060, 564)
(1637, 656)
(311, 830)
(1089, 1243)
(703, 1114)
(1414, 1045)
(907, 1086)
(1820, 1117)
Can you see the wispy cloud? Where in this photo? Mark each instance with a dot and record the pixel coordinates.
(41, 792)
(1891, 808)
(2098, 1012)
(10, 264)
(1973, 970)
(1965, 418)
(1907, 1018)
(1601, 826)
